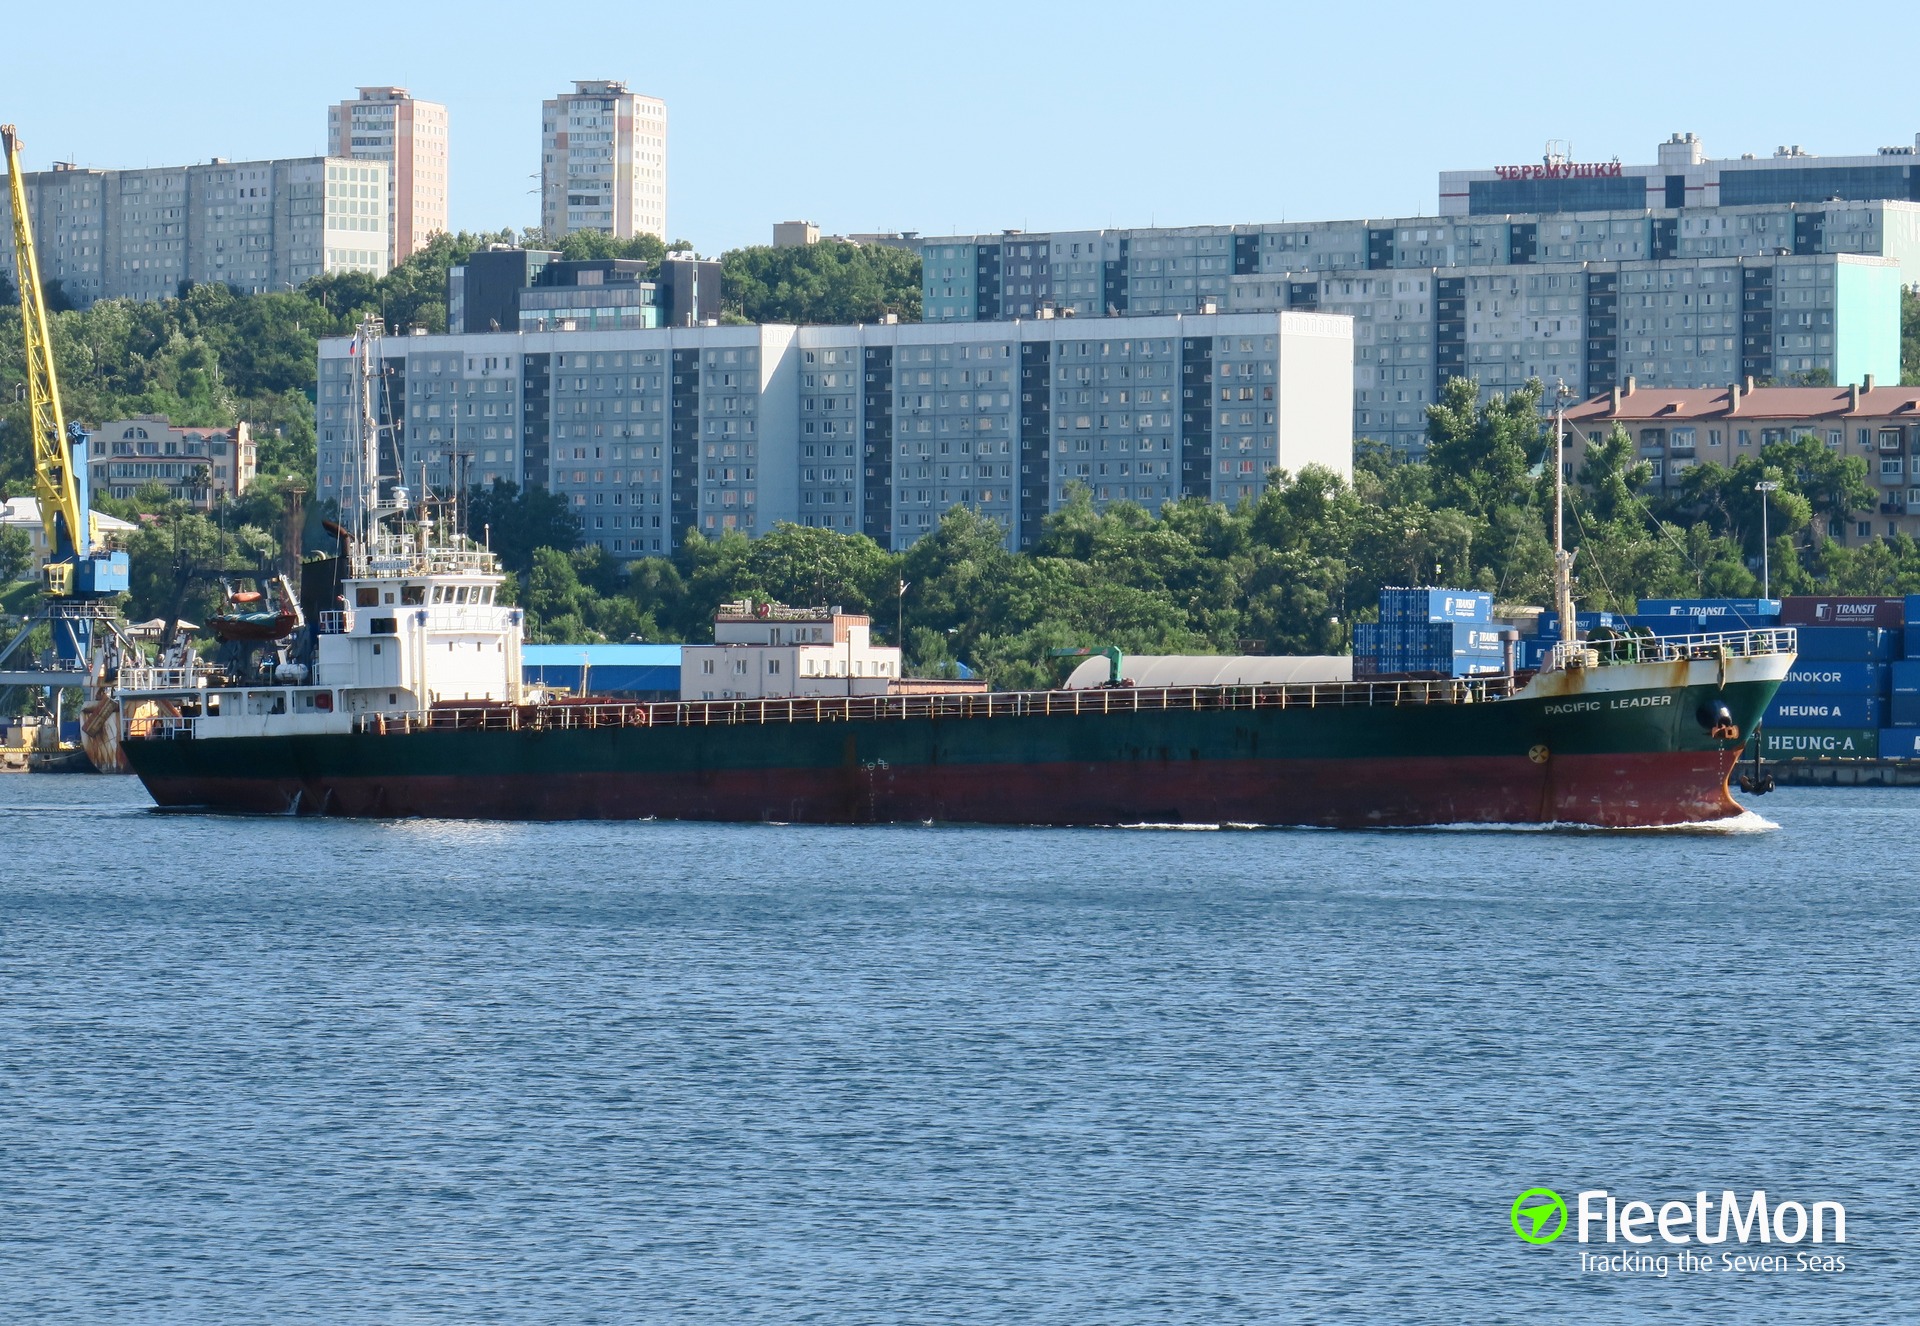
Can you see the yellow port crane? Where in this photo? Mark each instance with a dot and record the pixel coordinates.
(82, 581)
(77, 575)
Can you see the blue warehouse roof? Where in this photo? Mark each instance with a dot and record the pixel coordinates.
(611, 669)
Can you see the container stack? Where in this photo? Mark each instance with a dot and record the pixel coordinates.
(1900, 737)
(1449, 632)
(1837, 702)
(1699, 616)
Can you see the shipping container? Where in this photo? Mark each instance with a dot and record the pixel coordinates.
(1836, 643)
(1550, 622)
(1822, 610)
(1812, 743)
(1911, 642)
(1900, 743)
(1824, 710)
(1903, 676)
(1830, 676)
(1746, 608)
(1678, 625)
(1903, 710)
(1427, 604)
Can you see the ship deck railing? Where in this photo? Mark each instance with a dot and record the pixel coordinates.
(577, 715)
(164, 679)
(1708, 647)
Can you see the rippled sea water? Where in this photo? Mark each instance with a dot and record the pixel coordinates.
(268, 1070)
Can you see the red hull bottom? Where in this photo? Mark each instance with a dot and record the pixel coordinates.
(1614, 791)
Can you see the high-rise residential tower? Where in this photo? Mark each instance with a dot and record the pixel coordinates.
(603, 161)
(388, 124)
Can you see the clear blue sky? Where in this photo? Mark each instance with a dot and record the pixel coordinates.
(1037, 115)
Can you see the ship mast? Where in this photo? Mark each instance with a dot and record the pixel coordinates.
(366, 476)
(1562, 559)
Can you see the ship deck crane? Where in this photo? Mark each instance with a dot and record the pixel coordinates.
(82, 580)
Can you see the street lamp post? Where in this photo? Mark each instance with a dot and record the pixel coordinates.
(1764, 487)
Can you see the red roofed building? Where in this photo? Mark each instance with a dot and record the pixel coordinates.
(1676, 428)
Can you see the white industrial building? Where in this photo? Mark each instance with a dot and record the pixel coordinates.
(763, 651)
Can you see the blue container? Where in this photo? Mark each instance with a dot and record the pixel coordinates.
(1822, 676)
(1680, 624)
(1900, 743)
(1903, 709)
(1867, 644)
(1468, 638)
(1903, 676)
(1550, 622)
(1834, 710)
(1533, 653)
(1426, 604)
(1744, 608)
(1912, 641)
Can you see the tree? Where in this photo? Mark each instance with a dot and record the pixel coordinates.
(828, 282)
(1835, 486)
(515, 523)
(1480, 451)
(16, 555)
(555, 601)
(802, 565)
(1611, 472)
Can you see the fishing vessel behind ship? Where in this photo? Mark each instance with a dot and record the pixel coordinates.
(405, 698)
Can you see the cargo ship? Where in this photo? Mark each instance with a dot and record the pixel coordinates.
(411, 703)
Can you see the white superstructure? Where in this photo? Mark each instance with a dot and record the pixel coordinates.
(418, 621)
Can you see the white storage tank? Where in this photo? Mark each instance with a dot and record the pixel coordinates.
(1214, 670)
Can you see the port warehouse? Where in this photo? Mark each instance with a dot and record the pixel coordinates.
(639, 672)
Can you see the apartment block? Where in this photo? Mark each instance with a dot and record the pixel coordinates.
(603, 161)
(1675, 429)
(253, 225)
(881, 429)
(389, 124)
(1682, 176)
(1686, 298)
(198, 466)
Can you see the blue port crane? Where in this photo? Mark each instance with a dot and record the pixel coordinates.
(81, 578)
